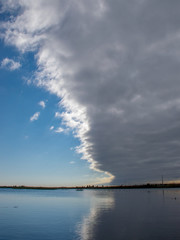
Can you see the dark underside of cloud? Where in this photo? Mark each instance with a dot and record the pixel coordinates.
(118, 62)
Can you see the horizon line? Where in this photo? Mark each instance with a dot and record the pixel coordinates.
(146, 185)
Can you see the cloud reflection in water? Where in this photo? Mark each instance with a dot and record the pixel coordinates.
(100, 201)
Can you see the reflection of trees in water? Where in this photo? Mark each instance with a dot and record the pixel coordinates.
(99, 201)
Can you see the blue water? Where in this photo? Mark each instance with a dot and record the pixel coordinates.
(90, 214)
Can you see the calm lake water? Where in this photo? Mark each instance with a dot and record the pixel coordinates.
(90, 214)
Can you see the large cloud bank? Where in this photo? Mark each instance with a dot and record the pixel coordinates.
(116, 67)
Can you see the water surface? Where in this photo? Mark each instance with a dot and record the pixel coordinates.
(90, 214)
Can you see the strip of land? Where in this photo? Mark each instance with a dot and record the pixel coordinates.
(141, 186)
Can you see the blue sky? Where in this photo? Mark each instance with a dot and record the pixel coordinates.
(89, 91)
(31, 153)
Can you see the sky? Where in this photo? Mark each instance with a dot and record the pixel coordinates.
(89, 92)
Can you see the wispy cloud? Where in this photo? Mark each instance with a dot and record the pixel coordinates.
(10, 64)
(51, 128)
(59, 130)
(42, 104)
(35, 116)
(72, 162)
(57, 115)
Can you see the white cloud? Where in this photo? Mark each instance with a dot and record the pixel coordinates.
(42, 104)
(59, 130)
(10, 64)
(35, 116)
(51, 128)
(72, 162)
(57, 115)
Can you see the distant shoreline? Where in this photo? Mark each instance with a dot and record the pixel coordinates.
(141, 186)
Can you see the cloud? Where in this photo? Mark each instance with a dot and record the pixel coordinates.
(42, 104)
(35, 116)
(115, 67)
(51, 128)
(59, 130)
(72, 162)
(57, 115)
(10, 64)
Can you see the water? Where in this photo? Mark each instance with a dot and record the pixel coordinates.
(90, 214)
